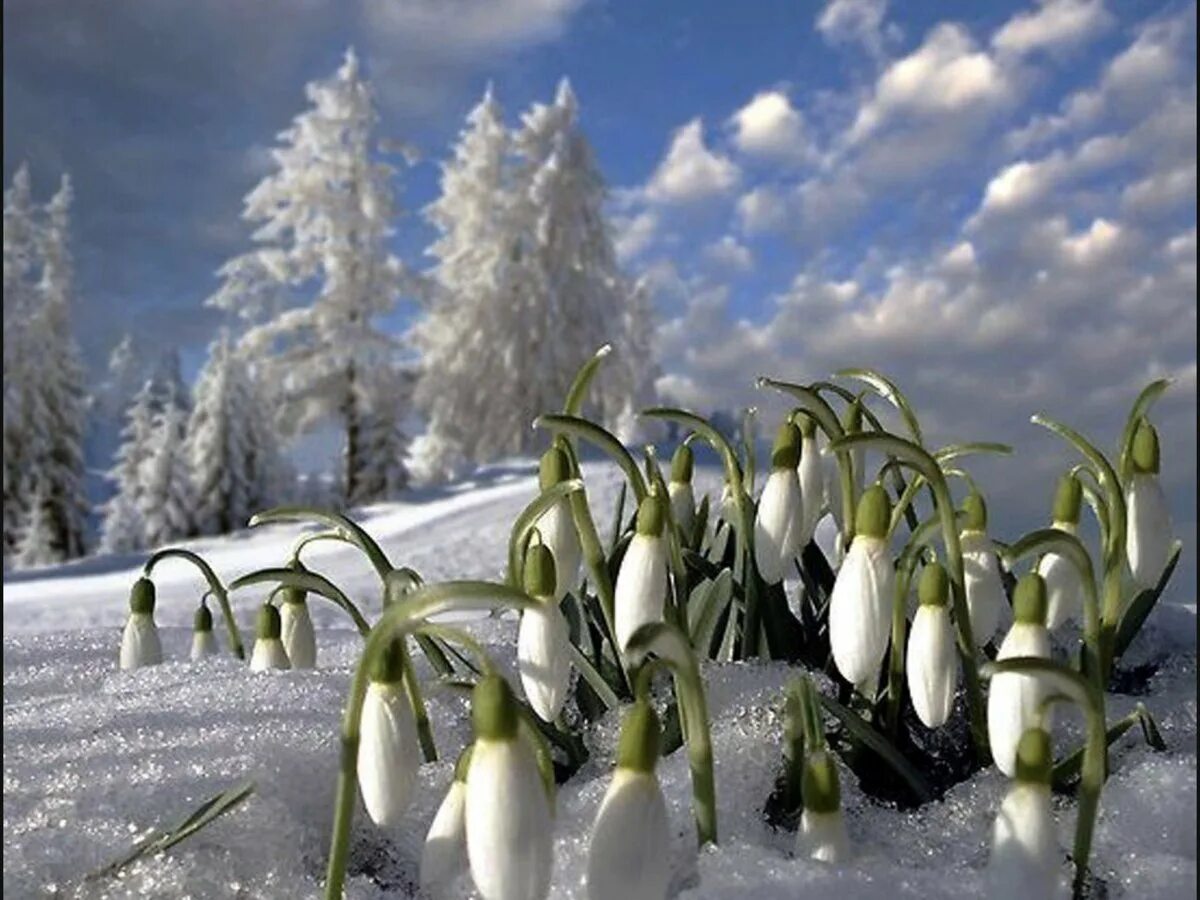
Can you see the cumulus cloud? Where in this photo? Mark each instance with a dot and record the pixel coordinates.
(690, 171)
(728, 254)
(858, 22)
(634, 234)
(770, 127)
(1055, 25)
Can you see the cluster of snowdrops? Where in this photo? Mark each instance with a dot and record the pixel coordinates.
(681, 582)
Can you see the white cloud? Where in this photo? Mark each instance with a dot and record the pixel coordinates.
(1161, 192)
(1056, 24)
(690, 171)
(1020, 184)
(762, 209)
(959, 258)
(635, 234)
(769, 126)
(1094, 247)
(465, 28)
(729, 254)
(857, 22)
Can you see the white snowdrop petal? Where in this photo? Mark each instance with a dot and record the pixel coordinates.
(1064, 590)
(140, 644)
(204, 643)
(269, 654)
(860, 609)
(557, 528)
(822, 836)
(629, 855)
(931, 665)
(812, 491)
(775, 526)
(984, 585)
(1024, 864)
(1013, 699)
(508, 823)
(444, 854)
(683, 504)
(543, 659)
(641, 588)
(1148, 534)
(389, 752)
(299, 639)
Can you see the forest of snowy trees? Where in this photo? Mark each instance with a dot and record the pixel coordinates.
(523, 288)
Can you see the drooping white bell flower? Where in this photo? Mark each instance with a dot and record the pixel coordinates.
(811, 476)
(981, 572)
(860, 608)
(1025, 860)
(268, 645)
(641, 589)
(557, 525)
(822, 832)
(679, 489)
(203, 642)
(389, 751)
(777, 524)
(1015, 699)
(140, 645)
(629, 857)
(931, 663)
(1148, 528)
(543, 639)
(299, 639)
(509, 822)
(444, 854)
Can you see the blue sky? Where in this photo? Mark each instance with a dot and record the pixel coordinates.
(993, 202)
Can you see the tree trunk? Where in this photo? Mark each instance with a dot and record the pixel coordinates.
(353, 437)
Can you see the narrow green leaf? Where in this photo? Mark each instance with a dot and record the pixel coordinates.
(887, 389)
(354, 532)
(526, 521)
(954, 451)
(308, 581)
(1141, 406)
(1141, 606)
(881, 746)
(592, 433)
(583, 380)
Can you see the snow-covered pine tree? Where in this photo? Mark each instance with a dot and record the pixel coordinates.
(322, 272)
(122, 529)
(166, 497)
(627, 382)
(35, 546)
(384, 443)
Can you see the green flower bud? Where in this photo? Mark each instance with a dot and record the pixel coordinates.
(852, 423)
(976, 513)
(539, 571)
(463, 764)
(554, 468)
(1034, 760)
(652, 516)
(203, 620)
(388, 666)
(874, 512)
(269, 627)
(1144, 452)
(785, 454)
(1029, 600)
(808, 428)
(820, 790)
(1068, 497)
(934, 588)
(494, 710)
(641, 739)
(141, 597)
(682, 464)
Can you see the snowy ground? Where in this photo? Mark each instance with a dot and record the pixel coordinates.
(93, 757)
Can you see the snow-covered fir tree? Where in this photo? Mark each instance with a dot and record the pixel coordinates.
(627, 382)
(383, 474)
(35, 545)
(234, 462)
(165, 502)
(322, 272)
(122, 528)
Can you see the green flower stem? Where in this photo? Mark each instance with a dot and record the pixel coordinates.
(528, 519)
(575, 427)
(354, 533)
(748, 447)
(214, 585)
(1067, 769)
(307, 581)
(675, 551)
(400, 619)
(895, 684)
(887, 389)
(594, 679)
(671, 646)
(304, 540)
(910, 454)
(583, 380)
(1094, 769)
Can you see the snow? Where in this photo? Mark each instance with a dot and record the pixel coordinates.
(95, 757)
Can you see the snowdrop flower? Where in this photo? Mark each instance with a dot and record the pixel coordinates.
(1015, 700)
(629, 857)
(203, 642)
(641, 588)
(1024, 864)
(812, 483)
(389, 752)
(557, 526)
(722, 524)
(679, 490)
(822, 832)
(298, 638)
(861, 604)
(1064, 589)
(268, 646)
(543, 640)
(1148, 536)
(140, 645)
(777, 524)
(444, 855)
(508, 817)
(981, 571)
(931, 664)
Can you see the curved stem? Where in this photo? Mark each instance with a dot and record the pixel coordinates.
(583, 380)
(305, 539)
(895, 687)
(528, 519)
(887, 389)
(307, 581)
(215, 587)
(355, 533)
(1140, 407)
(574, 426)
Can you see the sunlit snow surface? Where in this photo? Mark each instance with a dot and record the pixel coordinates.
(94, 758)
